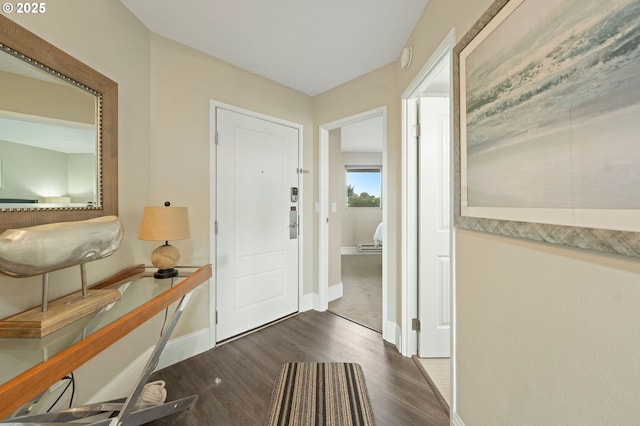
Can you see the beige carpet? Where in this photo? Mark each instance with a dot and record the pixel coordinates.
(362, 290)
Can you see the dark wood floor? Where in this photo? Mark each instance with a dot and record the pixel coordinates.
(247, 367)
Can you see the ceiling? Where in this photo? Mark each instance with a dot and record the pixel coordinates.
(363, 136)
(308, 45)
(54, 135)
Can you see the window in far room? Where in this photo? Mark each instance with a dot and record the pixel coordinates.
(364, 186)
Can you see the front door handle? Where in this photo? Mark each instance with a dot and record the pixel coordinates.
(293, 223)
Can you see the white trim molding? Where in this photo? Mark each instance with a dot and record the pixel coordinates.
(409, 225)
(176, 350)
(409, 274)
(323, 210)
(394, 333)
(310, 301)
(456, 420)
(122, 383)
(336, 291)
(348, 250)
(184, 347)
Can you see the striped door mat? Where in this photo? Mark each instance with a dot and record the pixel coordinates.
(322, 394)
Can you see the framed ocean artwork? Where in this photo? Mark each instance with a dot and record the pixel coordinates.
(547, 123)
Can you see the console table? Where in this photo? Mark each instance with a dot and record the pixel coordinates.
(42, 362)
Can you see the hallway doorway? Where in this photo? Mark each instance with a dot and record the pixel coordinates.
(428, 281)
(352, 182)
(355, 192)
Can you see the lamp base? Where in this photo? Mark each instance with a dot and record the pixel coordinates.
(165, 258)
(165, 273)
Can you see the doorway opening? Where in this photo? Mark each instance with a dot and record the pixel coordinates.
(428, 289)
(355, 193)
(352, 281)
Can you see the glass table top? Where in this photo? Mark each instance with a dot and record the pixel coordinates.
(18, 355)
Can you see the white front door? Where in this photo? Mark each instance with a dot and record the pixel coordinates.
(434, 228)
(257, 235)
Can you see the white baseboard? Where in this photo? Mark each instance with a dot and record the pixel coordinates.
(184, 347)
(177, 350)
(392, 333)
(310, 301)
(123, 383)
(456, 420)
(336, 291)
(358, 250)
(348, 250)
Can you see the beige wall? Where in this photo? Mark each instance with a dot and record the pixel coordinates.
(164, 95)
(33, 173)
(371, 91)
(546, 335)
(81, 177)
(183, 82)
(33, 96)
(105, 36)
(25, 168)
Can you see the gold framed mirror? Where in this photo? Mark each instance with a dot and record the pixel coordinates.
(85, 108)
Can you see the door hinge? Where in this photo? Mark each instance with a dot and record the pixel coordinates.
(416, 130)
(216, 137)
(216, 317)
(415, 324)
(215, 227)
(301, 171)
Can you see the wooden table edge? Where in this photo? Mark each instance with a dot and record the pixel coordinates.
(30, 383)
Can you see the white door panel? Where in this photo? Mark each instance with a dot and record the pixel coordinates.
(257, 260)
(434, 228)
(260, 169)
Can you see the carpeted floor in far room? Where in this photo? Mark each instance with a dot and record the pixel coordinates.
(362, 290)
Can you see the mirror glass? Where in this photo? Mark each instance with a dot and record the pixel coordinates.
(62, 115)
(49, 138)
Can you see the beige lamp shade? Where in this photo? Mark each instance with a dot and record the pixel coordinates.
(164, 224)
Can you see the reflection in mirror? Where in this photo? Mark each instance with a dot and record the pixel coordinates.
(48, 139)
(58, 119)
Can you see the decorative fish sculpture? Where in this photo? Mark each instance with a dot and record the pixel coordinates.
(35, 250)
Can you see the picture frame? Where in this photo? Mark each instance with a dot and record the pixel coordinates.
(545, 140)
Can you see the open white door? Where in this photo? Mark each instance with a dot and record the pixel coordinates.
(257, 222)
(434, 226)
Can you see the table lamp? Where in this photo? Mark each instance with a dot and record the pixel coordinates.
(164, 224)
